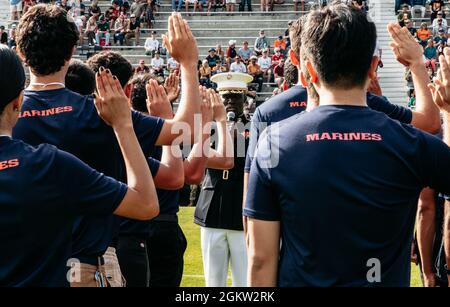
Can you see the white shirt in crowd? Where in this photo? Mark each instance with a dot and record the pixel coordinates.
(157, 63)
(235, 67)
(172, 64)
(151, 44)
(264, 63)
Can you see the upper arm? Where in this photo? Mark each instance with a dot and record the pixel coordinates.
(148, 130)
(436, 164)
(217, 161)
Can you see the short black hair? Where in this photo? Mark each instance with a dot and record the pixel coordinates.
(46, 38)
(340, 41)
(115, 62)
(80, 78)
(139, 93)
(12, 76)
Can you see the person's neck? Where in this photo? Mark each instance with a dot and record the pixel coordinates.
(36, 80)
(6, 131)
(350, 97)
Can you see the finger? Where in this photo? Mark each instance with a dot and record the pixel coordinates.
(148, 89)
(99, 84)
(167, 43)
(171, 26)
(107, 82)
(119, 87)
(161, 92)
(444, 69)
(177, 24)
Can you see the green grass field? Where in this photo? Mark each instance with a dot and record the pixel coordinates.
(193, 267)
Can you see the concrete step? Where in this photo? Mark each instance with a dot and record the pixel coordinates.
(166, 7)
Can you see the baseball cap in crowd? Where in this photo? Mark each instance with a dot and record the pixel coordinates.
(142, 62)
(253, 57)
(261, 31)
(153, 32)
(133, 16)
(212, 50)
(231, 42)
(439, 13)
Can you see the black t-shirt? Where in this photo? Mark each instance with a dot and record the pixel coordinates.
(71, 122)
(344, 182)
(42, 191)
(134, 25)
(4, 38)
(212, 60)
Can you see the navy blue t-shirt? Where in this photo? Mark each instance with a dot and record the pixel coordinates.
(294, 101)
(168, 203)
(42, 191)
(344, 182)
(71, 122)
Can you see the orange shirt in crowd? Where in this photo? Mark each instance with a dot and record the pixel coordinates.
(423, 34)
(280, 43)
(253, 69)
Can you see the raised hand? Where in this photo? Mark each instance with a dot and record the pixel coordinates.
(111, 101)
(440, 89)
(158, 103)
(206, 106)
(172, 86)
(220, 113)
(407, 50)
(180, 42)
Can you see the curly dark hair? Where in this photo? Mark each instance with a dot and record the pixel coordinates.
(115, 62)
(138, 92)
(46, 38)
(80, 78)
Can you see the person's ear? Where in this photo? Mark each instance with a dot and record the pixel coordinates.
(294, 58)
(312, 72)
(127, 90)
(17, 103)
(372, 74)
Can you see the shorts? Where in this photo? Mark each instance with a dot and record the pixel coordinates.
(16, 7)
(230, 1)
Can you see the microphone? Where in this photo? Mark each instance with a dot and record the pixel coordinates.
(230, 120)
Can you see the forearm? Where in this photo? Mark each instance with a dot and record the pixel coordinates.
(426, 229)
(195, 164)
(446, 119)
(190, 95)
(139, 177)
(447, 234)
(262, 274)
(172, 158)
(426, 115)
(223, 156)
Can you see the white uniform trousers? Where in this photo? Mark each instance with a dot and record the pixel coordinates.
(221, 247)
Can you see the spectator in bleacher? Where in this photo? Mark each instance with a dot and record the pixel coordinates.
(410, 27)
(91, 29)
(212, 58)
(280, 43)
(439, 22)
(78, 8)
(102, 31)
(423, 34)
(149, 12)
(81, 23)
(265, 5)
(26, 4)
(265, 63)
(12, 37)
(157, 65)
(3, 36)
(16, 9)
(231, 52)
(205, 74)
(138, 7)
(261, 43)
(278, 72)
(277, 57)
(120, 28)
(418, 5)
(254, 70)
(125, 7)
(80, 78)
(219, 68)
(440, 48)
(441, 37)
(359, 4)
(172, 65)
(245, 53)
(113, 13)
(238, 65)
(196, 3)
(176, 8)
(142, 68)
(64, 5)
(220, 52)
(430, 53)
(404, 14)
(296, 2)
(151, 45)
(437, 8)
(94, 9)
(230, 5)
(399, 3)
(133, 31)
(243, 3)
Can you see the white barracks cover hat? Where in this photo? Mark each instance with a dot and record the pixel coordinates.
(234, 82)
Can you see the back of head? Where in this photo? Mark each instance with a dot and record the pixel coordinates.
(12, 77)
(46, 38)
(339, 40)
(80, 78)
(139, 93)
(115, 62)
